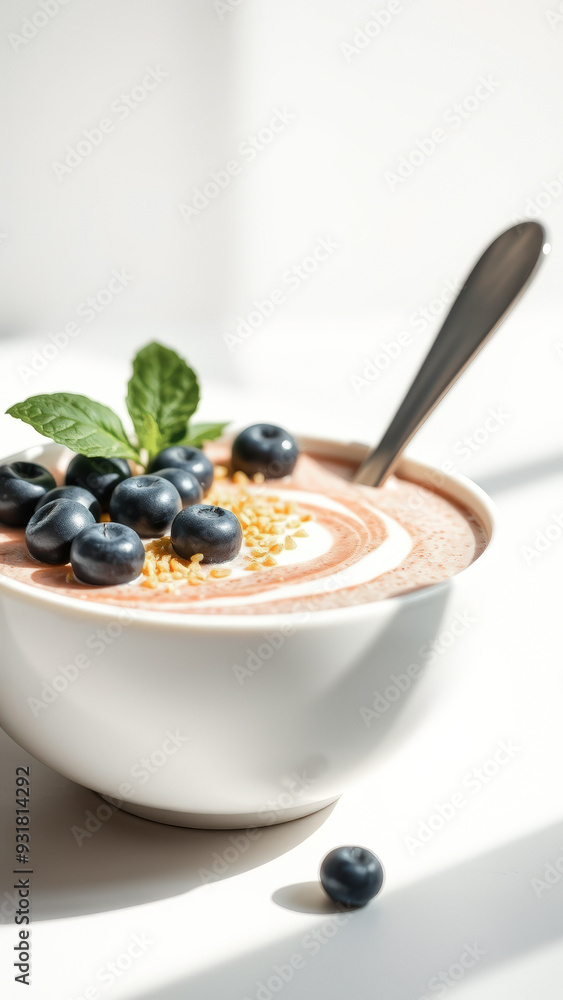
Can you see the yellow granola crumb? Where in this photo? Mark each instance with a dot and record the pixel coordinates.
(269, 524)
(258, 477)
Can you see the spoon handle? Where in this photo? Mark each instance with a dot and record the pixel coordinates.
(494, 285)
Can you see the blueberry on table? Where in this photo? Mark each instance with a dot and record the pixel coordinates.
(185, 457)
(99, 476)
(264, 448)
(212, 531)
(351, 875)
(107, 554)
(22, 484)
(148, 504)
(186, 483)
(75, 493)
(53, 527)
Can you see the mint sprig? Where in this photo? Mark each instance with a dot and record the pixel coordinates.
(198, 433)
(77, 422)
(162, 396)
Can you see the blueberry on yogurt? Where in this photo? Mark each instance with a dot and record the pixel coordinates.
(51, 530)
(186, 483)
(212, 531)
(22, 484)
(76, 493)
(265, 448)
(148, 504)
(107, 554)
(185, 457)
(99, 476)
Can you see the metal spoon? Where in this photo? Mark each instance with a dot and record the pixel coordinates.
(494, 285)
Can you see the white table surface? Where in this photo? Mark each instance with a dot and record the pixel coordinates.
(471, 884)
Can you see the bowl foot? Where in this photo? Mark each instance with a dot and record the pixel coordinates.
(220, 821)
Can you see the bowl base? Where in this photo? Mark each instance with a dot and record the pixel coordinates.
(219, 821)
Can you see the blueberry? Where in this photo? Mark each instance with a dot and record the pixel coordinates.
(99, 476)
(213, 531)
(76, 493)
(22, 484)
(351, 875)
(190, 459)
(186, 483)
(52, 528)
(107, 554)
(264, 448)
(148, 504)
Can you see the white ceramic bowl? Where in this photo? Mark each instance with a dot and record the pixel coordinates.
(146, 707)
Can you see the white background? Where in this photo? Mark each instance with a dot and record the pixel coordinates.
(320, 363)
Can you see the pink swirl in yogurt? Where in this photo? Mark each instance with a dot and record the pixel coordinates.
(362, 545)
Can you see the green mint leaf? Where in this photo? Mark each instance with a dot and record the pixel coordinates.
(198, 433)
(148, 434)
(77, 422)
(162, 395)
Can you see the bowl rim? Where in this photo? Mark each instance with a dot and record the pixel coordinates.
(454, 486)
